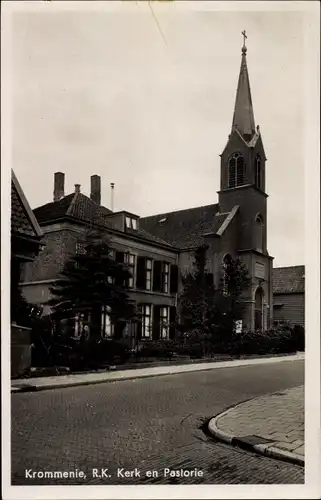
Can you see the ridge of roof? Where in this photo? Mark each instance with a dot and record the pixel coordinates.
(228, 220)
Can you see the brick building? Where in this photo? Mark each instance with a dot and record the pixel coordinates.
(289, 295)
(160, 248)
(26, 238)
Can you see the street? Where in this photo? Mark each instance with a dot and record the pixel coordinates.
(129, 432)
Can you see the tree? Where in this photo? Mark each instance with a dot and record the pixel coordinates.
(92, 280)
(197, 301)
(229, 297)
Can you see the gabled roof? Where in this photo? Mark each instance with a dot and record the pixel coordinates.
(288, 279)
(81, 207)
(75, 205)
(23, 220)
(186, 228)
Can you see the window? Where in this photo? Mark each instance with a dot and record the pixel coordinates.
(111, 255)
(146, 320)
(236, 170)
(107, 326)
(165, 281)
(226, 262)
(259, 233)
(258, 180)
(131, 223)
(130, 261)
(164, 323)
(80, 248)
(148, 274)
(81, 326)
(258, 309)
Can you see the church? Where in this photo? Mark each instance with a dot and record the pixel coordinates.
(159, 249)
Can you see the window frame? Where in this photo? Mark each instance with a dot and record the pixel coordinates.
(130, 261)
(148, 274)
(238, 167)
(258, 172)
(106, 322)
(164, 322)
(146, 332)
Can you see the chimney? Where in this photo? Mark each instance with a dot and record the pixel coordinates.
(59, 186)
(77, 188)
(95, 189)
(112, 186)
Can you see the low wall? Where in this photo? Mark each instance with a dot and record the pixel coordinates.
(20, 350)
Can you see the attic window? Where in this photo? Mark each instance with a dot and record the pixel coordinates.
(131, 223)
(161, 221)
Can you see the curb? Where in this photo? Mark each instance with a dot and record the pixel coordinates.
(267, 450)
(213, 365)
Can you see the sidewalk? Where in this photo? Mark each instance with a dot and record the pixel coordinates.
(44, 383)
(271, 425)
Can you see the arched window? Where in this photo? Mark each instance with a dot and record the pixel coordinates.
(258, 172)
(258, 318)
(226, 262)
(259, 233)
(236, 170)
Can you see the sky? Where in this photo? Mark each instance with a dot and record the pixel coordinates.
(144, 97)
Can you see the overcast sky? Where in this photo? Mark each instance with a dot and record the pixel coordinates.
(106, 92)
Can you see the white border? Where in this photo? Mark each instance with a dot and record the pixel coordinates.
(312, 488)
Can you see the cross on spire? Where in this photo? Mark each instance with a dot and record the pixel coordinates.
(244, 49)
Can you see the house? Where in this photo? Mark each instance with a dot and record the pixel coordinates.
(160, 248)
(289, 295)
(26, 237)
(152, 261)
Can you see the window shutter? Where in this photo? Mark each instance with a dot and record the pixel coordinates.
(120, 257)
(157, 276)
(139, 323)
(209, 279)
(174, 279)
(172, 321)
(141, 272)
(156, 322)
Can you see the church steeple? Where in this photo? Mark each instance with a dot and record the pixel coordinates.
(243, 118)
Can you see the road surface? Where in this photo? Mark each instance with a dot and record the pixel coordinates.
(129, 432)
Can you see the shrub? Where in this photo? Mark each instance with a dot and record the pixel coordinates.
(157, 349)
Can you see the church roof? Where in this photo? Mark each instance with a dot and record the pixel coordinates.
(243, 117)
(288, 279)
(187, 228)
(23, 220)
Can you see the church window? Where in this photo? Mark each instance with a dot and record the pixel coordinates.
(226, 262)
(258, 172)
(259, 324)
(236, 170)
(259, 233)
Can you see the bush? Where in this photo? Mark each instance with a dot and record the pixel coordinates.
(275, 341)
(157, 349)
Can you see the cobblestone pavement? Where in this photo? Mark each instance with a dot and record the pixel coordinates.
(278, 418)
(151, 424)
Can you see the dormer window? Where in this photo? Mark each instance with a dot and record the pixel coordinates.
(131, 223)
(236, 170)
(258, 172)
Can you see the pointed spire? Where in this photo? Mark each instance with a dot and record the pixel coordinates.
(243, 118)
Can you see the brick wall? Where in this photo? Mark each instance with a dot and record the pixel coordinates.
(59, 246)
(293, 309)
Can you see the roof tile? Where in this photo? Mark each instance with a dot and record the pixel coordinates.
(184, 228)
